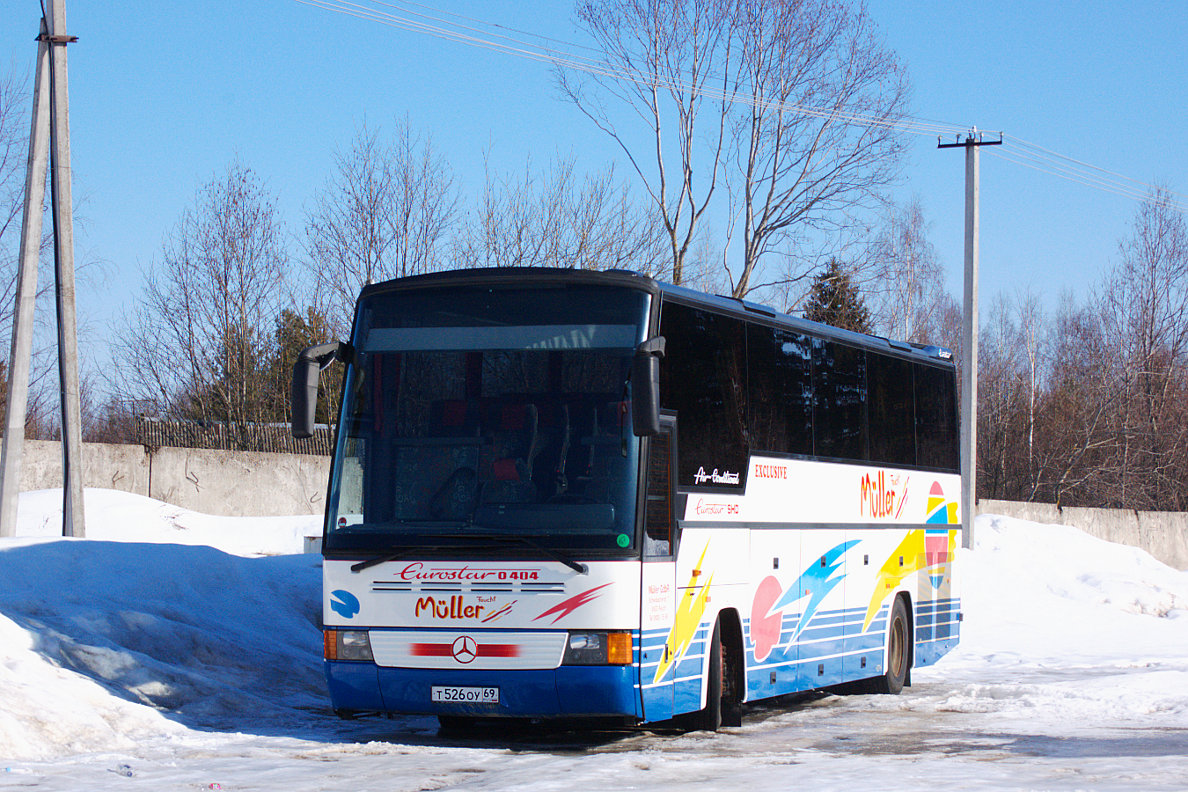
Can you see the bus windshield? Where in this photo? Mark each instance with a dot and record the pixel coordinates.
(489, 417)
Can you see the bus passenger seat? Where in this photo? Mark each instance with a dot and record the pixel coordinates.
(514, 448)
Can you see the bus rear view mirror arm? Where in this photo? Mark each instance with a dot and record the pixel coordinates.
(304, 392)
(645, 387)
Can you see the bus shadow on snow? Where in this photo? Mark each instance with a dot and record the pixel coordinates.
(841, 736)
(561, 737)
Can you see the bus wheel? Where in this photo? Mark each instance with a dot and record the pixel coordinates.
(710, 718)
(731, 664)
(898, 652)
(723, 705)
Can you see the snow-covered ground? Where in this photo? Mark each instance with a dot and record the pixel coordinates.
(174, 650)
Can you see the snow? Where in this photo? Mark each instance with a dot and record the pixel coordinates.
(176, 650)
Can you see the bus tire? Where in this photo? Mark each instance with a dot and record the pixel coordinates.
(899, 652)
(710, 718)
(722, 706)
(733, 676)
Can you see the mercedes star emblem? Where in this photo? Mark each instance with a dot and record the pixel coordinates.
(464, 649)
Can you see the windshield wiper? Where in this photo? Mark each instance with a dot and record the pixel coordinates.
(576, 566)
(383, 559)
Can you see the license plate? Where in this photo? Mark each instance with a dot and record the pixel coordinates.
(464, 695)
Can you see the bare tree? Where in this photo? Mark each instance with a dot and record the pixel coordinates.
(1145, 301)
(553, 218)
(1090, 409)
(905, 276)
(664, 61)
(1075, 445)
(199, 342)
(1030, 318)
(801, 102)
(817, 135)
(386, 213)
(1011, 376)
(998, 399)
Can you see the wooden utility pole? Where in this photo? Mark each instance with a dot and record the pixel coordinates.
(969, 372)
(50, 130)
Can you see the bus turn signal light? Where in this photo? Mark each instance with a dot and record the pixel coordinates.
(618, 648)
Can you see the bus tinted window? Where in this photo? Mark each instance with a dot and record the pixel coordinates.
(780, 390)
(839, 395)
(936, 418)
(703, 378)
(891, 410)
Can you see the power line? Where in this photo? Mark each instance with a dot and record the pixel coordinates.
(496, 25)
(1102, 173)
(1053, 167)
(473, 32)
(471, 35)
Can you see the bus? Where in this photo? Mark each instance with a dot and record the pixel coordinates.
(564, 494)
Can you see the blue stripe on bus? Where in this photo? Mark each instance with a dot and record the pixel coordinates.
(828, 651)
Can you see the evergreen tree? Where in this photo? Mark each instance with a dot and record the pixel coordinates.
(835, 300)
(294, 332)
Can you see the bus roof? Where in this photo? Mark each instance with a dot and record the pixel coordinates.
(666, 291)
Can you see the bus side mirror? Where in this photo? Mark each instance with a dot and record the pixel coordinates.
(645, 387)
(304, 391)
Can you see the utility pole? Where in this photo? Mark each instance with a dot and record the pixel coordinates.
(63, 218)
(26, 293)
(50, 129)
(969, 378)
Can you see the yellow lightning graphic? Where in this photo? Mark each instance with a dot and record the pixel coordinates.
(905, 560)
(686, 621)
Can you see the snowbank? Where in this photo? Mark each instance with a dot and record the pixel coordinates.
(185, 632)
(161, 617)
(125, 517)
(1066, 629)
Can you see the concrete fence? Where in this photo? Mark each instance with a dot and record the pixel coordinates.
(259, 484)
(1162, 534)
(228, 483)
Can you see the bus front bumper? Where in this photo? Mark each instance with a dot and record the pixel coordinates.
(565, 692)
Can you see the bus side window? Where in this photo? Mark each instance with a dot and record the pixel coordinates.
(780, 396)
(703, 379)
(839, 401)
(936, 418)
(891, 410)
(658, 516)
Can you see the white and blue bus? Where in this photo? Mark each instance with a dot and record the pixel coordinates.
(571, 494)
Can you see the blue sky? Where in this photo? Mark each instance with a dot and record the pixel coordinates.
(164, 95)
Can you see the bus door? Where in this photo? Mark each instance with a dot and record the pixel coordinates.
(658, 600)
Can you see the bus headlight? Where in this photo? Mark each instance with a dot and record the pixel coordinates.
(598, 648)
(347, 645)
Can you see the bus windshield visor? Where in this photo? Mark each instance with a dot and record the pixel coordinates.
(489, 417)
